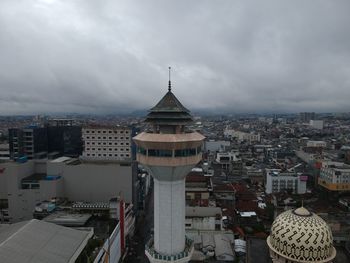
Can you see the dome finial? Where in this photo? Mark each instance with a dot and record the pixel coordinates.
(169, 86)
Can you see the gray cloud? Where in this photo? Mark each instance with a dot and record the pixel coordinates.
(112, 56)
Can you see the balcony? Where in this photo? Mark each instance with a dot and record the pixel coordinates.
(182, 257)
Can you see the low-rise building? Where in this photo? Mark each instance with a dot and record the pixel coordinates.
(203, 218)
(242, 136)
(316, 124)
(277, 181)
(321, 144)
(4, 151)
(23, 185)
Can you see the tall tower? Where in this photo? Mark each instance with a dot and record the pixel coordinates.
(169, 152)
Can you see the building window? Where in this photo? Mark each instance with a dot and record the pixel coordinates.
(142, 150)
(185, 152)
(160, 153)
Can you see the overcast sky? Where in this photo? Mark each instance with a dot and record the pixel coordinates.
(107, 56)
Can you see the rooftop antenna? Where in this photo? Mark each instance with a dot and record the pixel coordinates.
(169, 85)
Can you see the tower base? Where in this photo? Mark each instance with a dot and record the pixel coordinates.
(182, 257)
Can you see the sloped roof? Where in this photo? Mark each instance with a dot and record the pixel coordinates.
(169, 110)
(169, 103)
(37, 241)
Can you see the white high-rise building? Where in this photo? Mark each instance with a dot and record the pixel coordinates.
(169, 152)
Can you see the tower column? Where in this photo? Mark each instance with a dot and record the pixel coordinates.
(169, 216)
(169, 151)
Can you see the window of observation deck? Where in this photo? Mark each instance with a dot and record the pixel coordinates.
(160, 153)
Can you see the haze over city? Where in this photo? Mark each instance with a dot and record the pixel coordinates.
(227, 56)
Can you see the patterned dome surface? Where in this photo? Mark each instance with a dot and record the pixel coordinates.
(301, 236)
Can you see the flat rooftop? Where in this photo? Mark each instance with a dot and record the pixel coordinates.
(41, 242)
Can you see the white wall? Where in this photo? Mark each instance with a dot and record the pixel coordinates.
(94, 182)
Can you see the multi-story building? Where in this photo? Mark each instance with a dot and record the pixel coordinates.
(316, 124)
(107, 143)
(320, 144)
(277, 181)
(32, 141)
(307, 116)
(335, 176)
(27, 142)
(242, 136)
(22, 185)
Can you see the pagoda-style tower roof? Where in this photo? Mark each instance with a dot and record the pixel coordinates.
(169, 111)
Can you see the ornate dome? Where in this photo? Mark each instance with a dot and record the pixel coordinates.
(301, 236)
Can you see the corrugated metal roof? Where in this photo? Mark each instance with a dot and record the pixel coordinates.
(37, 241)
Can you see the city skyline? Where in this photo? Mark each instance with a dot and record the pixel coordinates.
(232, 57)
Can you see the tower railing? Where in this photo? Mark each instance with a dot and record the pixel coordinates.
(189, 244)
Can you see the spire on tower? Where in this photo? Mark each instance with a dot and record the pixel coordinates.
(169, 85)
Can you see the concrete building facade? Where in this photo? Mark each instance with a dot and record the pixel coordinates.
(277, 181)
(4, 151)
(335, 176)
(23, 185)
(106, 143)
